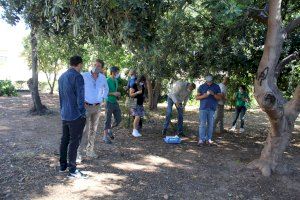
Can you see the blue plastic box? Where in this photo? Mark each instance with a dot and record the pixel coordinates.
(172, 139)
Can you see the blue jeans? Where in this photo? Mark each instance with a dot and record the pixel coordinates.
(206, 127)
(239, 111)
(169, 114)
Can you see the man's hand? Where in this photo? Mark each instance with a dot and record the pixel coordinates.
(139, 92)
(178, 105)
(211, 92)
(117, 94)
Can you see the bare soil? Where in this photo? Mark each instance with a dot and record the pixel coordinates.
(144, 168)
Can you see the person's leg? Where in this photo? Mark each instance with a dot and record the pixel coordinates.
(93, 128)
(217, 118)
(221, 118)
(169, 113)
(202, 126)
(64, 146)
(117, 114)
(180, 119)
(108, 116)
(242, 116)
(236, 116)
(210, 124)
(140, 124)
(136, 122)
(85, 135)
(76, 128)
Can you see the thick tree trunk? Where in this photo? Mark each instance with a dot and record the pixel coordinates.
(154, 88)
(38, 108)
(282, 115)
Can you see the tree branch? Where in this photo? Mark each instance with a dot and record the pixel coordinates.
(259, 15)
(286, 61)
(292, 108)
(292, 25)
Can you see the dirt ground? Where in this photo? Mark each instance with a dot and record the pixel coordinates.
(144, 168)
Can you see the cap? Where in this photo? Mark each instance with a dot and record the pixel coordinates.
(114, 69)
(209, 78)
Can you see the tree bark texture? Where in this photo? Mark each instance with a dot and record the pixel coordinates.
(38, 108)
(154, 89)
(281, 114)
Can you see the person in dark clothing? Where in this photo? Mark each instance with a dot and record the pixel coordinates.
(137, 91)
(241, 99)
(71, 97)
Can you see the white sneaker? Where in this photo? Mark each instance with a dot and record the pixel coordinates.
(242, 130)
(77, 174)
(232, 129)
(136, 133)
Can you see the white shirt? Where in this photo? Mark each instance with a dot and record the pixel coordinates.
(95, 90)
(179, 92)
(223, 91)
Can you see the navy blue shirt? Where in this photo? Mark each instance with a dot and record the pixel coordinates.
(71, 95)
(209, 103)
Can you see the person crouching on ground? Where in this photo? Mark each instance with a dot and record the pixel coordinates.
(179, 95)
(208, 93)
(112, 106)
(137, 91)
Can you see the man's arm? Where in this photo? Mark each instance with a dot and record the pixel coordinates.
(79, 87)
(105, 89)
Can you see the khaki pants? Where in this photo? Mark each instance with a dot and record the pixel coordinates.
(219, 118)
(90, 129)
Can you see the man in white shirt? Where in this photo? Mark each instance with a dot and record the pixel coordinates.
(220, 109)
(96, 91)
(178, 95)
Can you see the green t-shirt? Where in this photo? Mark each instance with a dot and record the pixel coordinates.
(239, 99)
(113, 87)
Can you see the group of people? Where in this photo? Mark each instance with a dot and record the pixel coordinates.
(82, 95)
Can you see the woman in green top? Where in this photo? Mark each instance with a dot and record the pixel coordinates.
(241, 99)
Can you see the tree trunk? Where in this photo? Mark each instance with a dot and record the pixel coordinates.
(154, 88)
(53, 83)
(38, 108)
(282, 114)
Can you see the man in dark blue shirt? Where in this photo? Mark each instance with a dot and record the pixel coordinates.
(208, 93)
(71, 97)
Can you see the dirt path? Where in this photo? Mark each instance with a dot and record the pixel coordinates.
(144, 168)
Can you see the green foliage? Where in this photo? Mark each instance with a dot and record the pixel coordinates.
(7, 88)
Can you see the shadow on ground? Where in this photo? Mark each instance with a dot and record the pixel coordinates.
(144, 168)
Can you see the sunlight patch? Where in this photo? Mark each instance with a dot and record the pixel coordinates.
(130, 166)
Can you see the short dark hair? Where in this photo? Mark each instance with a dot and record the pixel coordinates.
(75, 61)
(142, 78)
(101, 62)
(243, 87)
(193, 85)
(114, 69)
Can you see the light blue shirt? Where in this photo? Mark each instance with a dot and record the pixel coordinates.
(95, 90)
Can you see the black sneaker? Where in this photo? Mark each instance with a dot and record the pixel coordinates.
(77, 174)
(62, 169)
(110, 134)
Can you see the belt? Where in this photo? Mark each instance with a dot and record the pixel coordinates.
(95, 104)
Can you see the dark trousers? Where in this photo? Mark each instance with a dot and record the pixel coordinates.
(70, 140)
(239, 111)
(112, 109)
